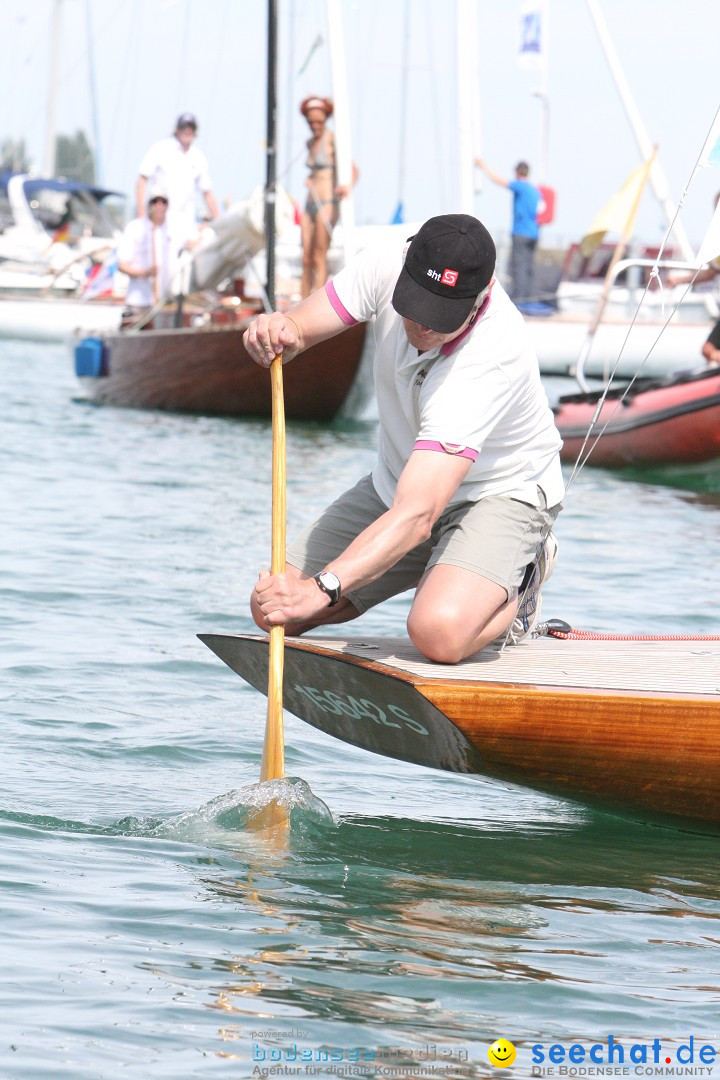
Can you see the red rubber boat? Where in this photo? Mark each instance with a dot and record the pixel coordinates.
(657, 422)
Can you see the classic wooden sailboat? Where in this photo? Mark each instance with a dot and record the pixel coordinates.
(206, 370)
(627, 725)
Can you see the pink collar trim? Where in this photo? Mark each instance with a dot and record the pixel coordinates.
(450, 346)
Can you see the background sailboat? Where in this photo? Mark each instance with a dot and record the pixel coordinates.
(204, 368)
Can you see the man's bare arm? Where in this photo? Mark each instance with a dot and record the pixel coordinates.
(428, 482)
(426, 486)
(495, 177)
(293, 331)
(140, 189)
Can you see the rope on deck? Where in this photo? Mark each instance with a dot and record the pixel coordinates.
(558, 629)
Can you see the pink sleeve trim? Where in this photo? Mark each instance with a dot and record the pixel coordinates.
(447, 448)
(338, 305)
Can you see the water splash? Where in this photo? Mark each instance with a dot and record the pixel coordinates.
(220, 821)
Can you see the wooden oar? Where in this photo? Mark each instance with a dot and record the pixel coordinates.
(273, 760)
(155, 266)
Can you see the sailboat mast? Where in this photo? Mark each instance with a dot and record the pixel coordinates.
(658, 182)
(402, 140)
(343, 149)
(466, 38)
(49, 162)
(271, 153)
(542, 94)
(98, 172)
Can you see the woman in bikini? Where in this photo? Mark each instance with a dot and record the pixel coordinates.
(323, 197)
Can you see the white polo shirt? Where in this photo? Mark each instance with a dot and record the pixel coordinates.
(142, 246)
(480, 395)
(183, 174)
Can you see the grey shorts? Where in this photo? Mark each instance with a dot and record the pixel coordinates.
(497, 537)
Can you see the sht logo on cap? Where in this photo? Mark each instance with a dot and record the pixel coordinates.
(449, 277)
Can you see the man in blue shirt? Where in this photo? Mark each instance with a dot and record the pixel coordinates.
(527, 201)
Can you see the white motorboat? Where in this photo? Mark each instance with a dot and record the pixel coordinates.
(628, 330)
(56, 235)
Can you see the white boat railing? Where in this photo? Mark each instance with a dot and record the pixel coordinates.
(622, 266)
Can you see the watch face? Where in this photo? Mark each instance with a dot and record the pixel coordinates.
(330, 584)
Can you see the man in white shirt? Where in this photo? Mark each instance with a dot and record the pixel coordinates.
(181, 168)
(468, 483)
(145, 254)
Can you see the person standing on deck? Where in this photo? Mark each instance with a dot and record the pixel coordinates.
(145, 254)
(324, 194)
(467, 483)
(181, 168)
(527, 203)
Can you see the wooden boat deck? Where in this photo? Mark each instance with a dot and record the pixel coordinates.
(629, 725)
(667, 667)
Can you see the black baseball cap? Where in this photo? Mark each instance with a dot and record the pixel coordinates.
(449, 262)
(186, 119)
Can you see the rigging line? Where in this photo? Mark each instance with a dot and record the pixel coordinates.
(23, 57)
(701, 155)
(67, 72)
(218, 65)
(183, 65)
(69, 67)
(129, 70)
(284, 172)
(654, 273)
(117, 112)
(440, 128)
(579, 464)
(581, 460)
(403, 104)
(313, 49)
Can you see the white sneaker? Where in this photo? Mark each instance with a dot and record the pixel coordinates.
(530, 607)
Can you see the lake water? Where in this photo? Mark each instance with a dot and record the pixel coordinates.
(422, 916)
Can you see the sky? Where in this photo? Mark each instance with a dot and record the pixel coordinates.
(128, 68)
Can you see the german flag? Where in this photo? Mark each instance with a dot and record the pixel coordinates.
(62, 233)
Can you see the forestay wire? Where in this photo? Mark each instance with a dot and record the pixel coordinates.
(654, 275)
(560, 629)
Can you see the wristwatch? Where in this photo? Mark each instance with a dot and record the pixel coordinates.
(330, 584)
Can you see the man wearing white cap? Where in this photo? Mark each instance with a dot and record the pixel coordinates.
(181, 168)
(467, 485)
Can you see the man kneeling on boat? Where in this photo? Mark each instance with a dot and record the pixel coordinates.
(467, 484)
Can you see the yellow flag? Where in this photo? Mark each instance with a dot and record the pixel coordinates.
(618, 215)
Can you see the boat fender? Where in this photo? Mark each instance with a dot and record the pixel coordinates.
(90, 358)
(546, 210)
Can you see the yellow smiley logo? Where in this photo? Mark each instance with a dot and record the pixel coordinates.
(501, 1053)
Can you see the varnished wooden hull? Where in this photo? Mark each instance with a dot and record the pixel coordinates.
(663, 422)
(207, 370)
(630, 726)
